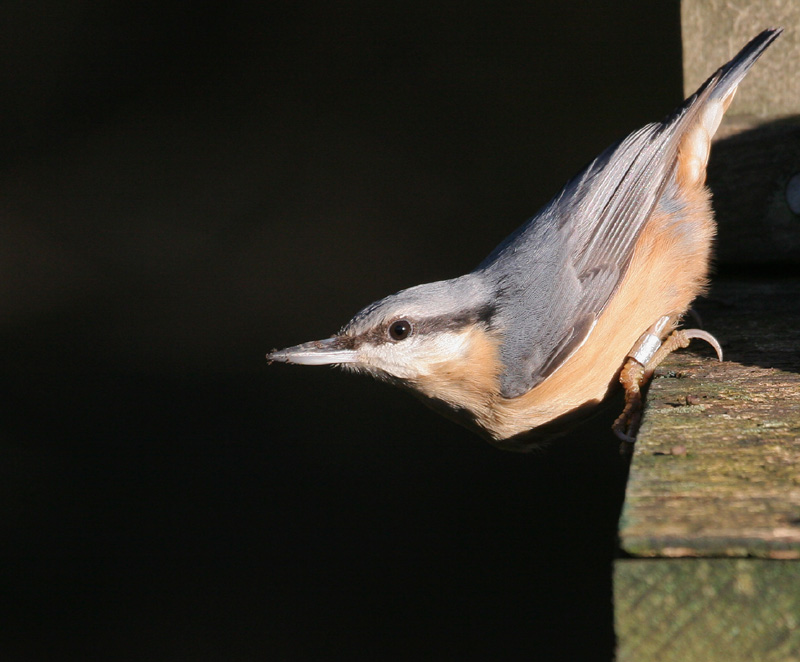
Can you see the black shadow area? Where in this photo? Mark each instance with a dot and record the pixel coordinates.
(293, 516)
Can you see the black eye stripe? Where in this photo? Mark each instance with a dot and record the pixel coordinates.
(382, 332)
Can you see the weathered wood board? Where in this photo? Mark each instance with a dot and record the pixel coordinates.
(716, 469)
(704, 610)
(711, 521)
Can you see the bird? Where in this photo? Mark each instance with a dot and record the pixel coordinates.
(587, 295)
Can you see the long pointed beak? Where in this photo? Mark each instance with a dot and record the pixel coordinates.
(317, 352)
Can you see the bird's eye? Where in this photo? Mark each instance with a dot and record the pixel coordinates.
(400, 330)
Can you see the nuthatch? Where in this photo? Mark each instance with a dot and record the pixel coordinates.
(588, 292)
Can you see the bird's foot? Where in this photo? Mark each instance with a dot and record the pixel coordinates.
(647, 355)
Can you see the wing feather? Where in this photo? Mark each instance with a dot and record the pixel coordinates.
(558, 271)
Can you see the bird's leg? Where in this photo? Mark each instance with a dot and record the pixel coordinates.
(646, 355)
(632, 379)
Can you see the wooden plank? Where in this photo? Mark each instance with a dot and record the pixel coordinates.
(716, 473)
(707, 610)
(716, 468)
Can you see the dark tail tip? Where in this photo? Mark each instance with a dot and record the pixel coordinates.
(732, 73)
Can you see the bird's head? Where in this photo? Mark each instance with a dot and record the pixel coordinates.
(437, 339)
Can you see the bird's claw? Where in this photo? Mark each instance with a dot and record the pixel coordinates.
(702, 335)
(635, 375)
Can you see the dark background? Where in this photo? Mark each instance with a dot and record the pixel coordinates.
(184, 186)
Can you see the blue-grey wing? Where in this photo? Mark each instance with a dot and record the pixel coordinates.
(555, 274)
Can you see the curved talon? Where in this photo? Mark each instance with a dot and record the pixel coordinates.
(704, 335)
(624, 429)
(623, 436)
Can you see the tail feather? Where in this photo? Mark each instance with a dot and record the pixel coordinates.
(725, 81)
(711, 101)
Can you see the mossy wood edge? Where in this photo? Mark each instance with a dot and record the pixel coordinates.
(716, 468)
